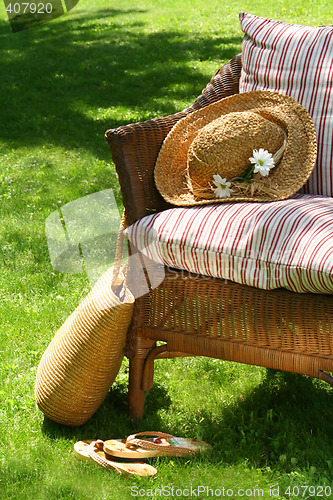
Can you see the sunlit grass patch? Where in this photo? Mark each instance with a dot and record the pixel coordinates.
(63, 84)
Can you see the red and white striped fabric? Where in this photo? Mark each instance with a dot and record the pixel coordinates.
(286, 243)
(297, 61)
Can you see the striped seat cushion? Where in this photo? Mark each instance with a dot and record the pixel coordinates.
(297, 61)
(286, 243)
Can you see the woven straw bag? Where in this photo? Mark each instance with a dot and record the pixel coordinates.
(80, 364)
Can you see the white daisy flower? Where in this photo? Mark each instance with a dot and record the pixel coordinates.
(263, 161)
(222, 187)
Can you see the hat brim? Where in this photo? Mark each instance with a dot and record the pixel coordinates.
(290, 175)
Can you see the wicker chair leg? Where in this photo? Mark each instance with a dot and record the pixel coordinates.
(326, 376)
(136, 393)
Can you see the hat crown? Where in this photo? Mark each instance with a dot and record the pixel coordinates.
(273, 168)
(225, 145)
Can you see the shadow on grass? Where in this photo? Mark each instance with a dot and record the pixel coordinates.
(57, 77)
(283, 423)
(112, 419)
(63, 84)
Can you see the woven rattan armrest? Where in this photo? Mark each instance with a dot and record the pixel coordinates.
(135, 147)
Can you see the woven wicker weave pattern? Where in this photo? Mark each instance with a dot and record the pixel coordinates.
(196, 315)
(214, 308)
(81, 362)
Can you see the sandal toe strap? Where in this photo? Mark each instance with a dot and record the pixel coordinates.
(170, 449)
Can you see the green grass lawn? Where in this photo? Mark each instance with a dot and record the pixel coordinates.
(62, 85)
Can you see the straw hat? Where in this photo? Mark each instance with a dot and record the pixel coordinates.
(256, 146)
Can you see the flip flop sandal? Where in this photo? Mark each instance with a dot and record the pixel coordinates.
(159, 444)
(90, 449)
(81, 448)
(117, 448)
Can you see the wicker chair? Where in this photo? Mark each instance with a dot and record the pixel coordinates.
(212, 317)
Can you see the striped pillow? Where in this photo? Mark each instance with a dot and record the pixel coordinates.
(285, 244)
(297, 61)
